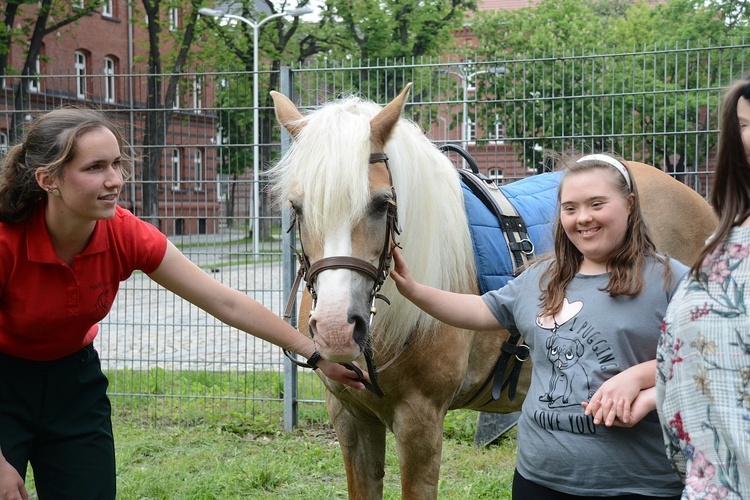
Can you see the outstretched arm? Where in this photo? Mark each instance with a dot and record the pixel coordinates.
(179, 275)
(456, 309)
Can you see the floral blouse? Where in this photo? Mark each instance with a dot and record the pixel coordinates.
(703, 375)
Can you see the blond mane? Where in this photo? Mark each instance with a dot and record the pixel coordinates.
(327, 167)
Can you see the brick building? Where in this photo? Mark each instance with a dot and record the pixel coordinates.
(100, 61)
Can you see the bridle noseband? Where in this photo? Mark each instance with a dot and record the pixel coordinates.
(309, 272)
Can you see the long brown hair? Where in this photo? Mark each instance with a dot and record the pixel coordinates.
(50, 143)
(625, 264)
(731, 182)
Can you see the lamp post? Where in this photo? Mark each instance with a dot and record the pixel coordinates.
(466, 78)
(256, 151)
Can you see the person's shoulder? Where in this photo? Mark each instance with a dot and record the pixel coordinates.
(124, 217)
(678, 268)
(660, 261)
(536, 268)
(122, 213)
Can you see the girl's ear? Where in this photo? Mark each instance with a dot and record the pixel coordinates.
(44, 180)
(631, 203)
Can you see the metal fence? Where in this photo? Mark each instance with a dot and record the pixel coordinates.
(169, 362)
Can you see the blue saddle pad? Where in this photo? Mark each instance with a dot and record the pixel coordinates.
(535, 199)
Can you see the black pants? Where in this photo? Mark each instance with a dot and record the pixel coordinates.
(523, 489)
(56, 415)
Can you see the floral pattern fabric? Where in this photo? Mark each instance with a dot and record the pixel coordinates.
(703, 375)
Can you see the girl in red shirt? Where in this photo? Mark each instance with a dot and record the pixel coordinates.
(65, 245)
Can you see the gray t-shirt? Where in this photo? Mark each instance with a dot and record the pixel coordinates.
(591, 339)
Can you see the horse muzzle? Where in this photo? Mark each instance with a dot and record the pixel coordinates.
(340, 321)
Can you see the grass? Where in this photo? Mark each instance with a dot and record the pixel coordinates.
(173, 449)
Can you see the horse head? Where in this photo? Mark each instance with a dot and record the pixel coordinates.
(346, 216)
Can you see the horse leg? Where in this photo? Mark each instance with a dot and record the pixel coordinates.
(362, 442)
(419, 440)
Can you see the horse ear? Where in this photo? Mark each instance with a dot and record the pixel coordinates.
(287, 114)
(382, 124)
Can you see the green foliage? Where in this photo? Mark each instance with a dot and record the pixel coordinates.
(592, 80)
(391, 29)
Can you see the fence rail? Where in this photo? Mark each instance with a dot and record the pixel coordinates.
(170, 362)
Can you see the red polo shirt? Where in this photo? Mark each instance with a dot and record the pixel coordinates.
(48, 309)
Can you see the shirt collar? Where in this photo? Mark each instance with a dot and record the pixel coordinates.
(39, 244)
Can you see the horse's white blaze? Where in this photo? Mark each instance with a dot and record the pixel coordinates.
(332, 327)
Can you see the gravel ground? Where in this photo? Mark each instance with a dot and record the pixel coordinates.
(149, 326)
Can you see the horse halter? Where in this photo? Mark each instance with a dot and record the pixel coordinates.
(309, 272)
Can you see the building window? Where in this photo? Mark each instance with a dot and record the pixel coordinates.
(198, 169)
(174, 18)
(80, 67)
(496, 175)
(108, 9)
(3, 143)
(176, 169)
(110, 89)
(222, 187)
(498, 134)
(34, 84)
(471, 131)
(176, 103)
(197, 94)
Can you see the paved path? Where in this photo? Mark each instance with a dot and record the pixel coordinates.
(149, 326)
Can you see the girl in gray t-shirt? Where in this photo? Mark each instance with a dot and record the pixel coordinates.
(591, 316)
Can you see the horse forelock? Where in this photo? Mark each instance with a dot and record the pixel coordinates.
(327, 165)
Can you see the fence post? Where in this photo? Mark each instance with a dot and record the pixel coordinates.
(288, 264)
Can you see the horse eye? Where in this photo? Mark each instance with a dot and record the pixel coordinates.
(381, 205)
(296, 212)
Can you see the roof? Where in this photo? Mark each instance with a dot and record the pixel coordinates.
(504, 4)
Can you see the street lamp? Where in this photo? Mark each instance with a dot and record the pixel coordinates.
(465, 79)
(256, 29)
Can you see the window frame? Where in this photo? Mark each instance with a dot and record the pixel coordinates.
(81, 70)
(110, 82)
(176, 167)
(198, 169)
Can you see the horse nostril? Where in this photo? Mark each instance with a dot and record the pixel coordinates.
(361, 327)
(311, 326)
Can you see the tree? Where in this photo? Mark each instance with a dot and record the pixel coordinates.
(64, 13)
(161, 98)
(361, 28)
(235, 92)
(588, 46)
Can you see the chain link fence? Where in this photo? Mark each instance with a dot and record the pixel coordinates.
(170, 363)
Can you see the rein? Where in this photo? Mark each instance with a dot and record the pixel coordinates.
(309, 272)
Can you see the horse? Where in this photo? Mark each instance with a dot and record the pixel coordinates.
(359, 178)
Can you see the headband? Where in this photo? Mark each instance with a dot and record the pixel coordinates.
(611, 161)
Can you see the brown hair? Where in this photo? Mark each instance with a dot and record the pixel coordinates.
(50, 143)
(625, 264)
(731, 181)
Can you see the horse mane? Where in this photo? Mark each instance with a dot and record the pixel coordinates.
(327, 166)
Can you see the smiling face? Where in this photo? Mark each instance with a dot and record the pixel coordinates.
(594, 215)
(91, 181)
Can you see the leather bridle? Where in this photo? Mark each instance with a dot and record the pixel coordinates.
(309, 272)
